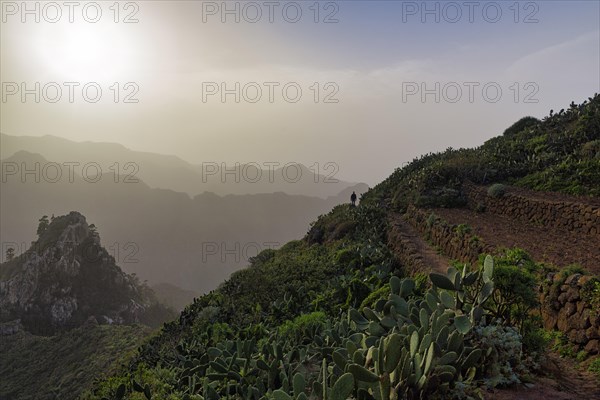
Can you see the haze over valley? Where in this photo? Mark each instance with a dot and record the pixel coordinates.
(299, 200)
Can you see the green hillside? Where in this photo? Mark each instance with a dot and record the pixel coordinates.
(334, 316)
(560, 153)
(60, 367)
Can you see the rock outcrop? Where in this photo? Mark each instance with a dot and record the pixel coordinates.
(65, 278)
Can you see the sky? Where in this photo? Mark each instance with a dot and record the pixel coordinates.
(368, 85)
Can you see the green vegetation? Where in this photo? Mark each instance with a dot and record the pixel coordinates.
(595, 366)
(559, 342)
(60, 367)
(295, 325)
(517, 283)
(332, 315)
(591, 293)
(284, 293)
(497, 190)
(559, 153)
(462, 230)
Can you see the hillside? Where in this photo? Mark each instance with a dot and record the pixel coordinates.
(353, 309)
(61, 366)
(190, 252)
(560, 154)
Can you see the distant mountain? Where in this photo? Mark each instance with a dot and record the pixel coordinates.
(162, 235)
(170, 172)
(174, 296)
(66, 277)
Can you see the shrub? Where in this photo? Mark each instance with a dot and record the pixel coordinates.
(591, 293)
(516, 285)
(560, 344)
(431, 220)
(462, 230)
(581, 356)
(497, 190)
(303, 323)
(345, 256)
(444, 197)
(520, 125)
(376, 295)
(591, 149)
(535, 338)
(595, 366)
(343, 229)
(568, 271)
(503, 352)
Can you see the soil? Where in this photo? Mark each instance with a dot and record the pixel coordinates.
(545, 244)
(554, 196)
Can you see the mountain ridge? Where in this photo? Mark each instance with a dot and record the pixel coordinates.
(172, 172)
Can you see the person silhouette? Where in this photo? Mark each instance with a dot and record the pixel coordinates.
(353, 199)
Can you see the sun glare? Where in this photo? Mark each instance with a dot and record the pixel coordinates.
(90, 53)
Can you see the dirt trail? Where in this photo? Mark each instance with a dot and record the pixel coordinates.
(409, 237)
(561, 380)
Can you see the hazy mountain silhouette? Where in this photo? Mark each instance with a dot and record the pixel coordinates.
(173, 296)
(170, 172)
(162, 235)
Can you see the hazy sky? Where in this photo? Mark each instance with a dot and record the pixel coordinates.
(361, 75)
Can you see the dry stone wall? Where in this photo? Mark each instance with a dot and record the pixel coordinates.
(564, 214)
(457, 244)
(568, 305)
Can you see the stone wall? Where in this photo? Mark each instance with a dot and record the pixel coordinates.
(456, 244)
(563, 214)
(566, 307)
(406, 251)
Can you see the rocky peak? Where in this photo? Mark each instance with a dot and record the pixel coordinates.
(66, 277)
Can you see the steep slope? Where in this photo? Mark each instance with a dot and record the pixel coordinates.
(64, 365)
(66, 277)
(560, 153)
